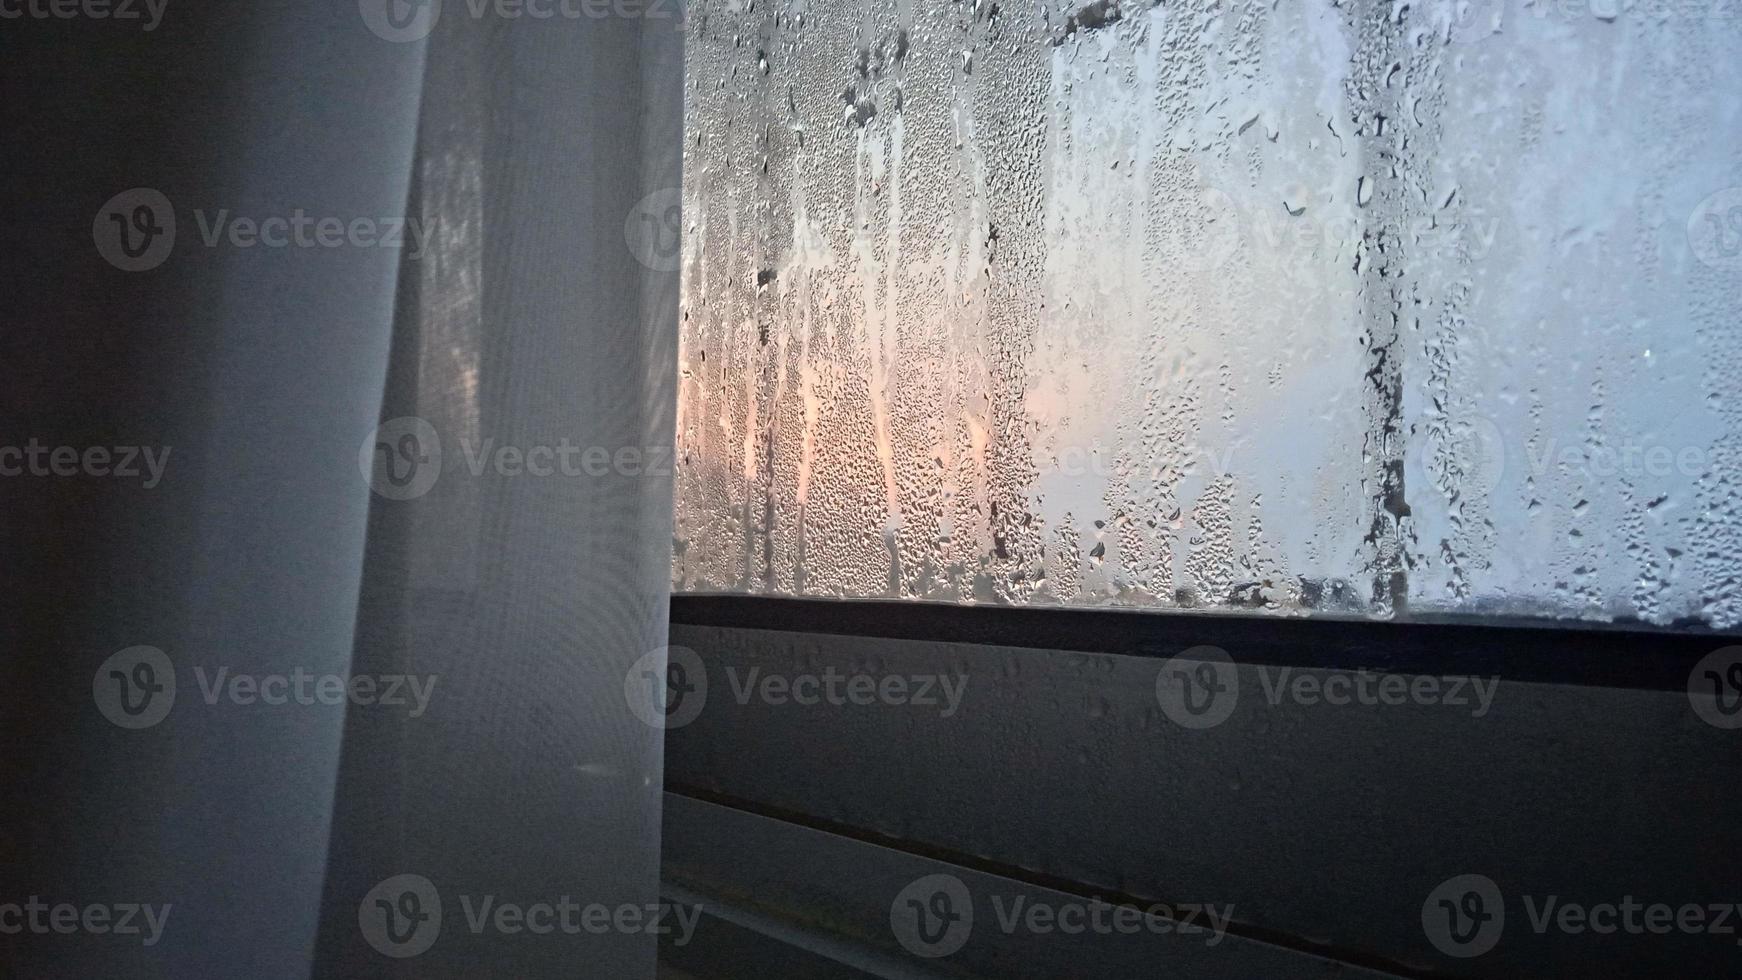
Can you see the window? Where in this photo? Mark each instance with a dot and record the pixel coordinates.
(1215, 305)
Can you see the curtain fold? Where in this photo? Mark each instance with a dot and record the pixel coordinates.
(532, 573)
(267, 548)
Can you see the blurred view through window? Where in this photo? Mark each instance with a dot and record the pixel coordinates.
(1355, 307)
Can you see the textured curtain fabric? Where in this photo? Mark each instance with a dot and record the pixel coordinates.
(539, 349)
(341, 671)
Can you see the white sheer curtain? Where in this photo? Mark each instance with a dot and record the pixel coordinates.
(515, 315)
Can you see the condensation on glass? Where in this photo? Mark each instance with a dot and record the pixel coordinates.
(1356, 307)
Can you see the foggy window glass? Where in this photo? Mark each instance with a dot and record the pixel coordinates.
(1353, 307)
